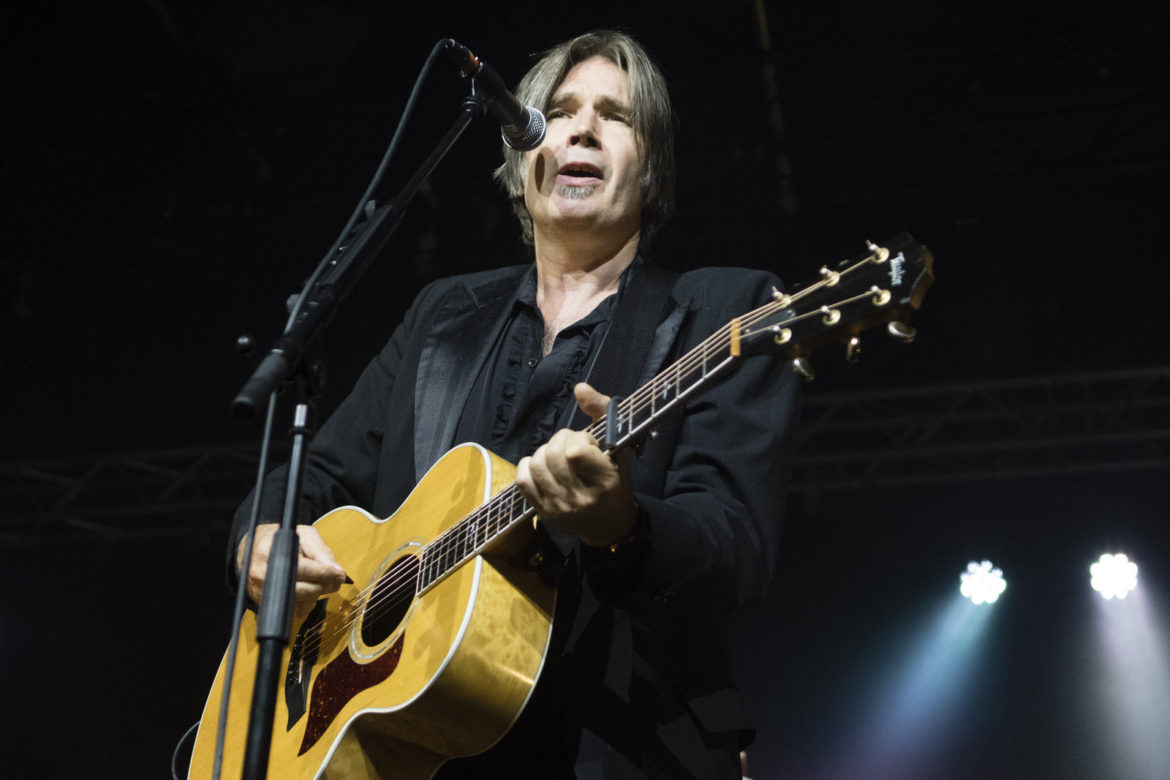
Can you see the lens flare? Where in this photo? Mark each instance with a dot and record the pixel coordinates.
(981, 583)
(1113, 576)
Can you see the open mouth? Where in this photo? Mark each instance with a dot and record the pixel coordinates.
(577, 171)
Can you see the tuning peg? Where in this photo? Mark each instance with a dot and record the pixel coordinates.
(901, 331)
(804, 368)
(879, 253)
(853, 350)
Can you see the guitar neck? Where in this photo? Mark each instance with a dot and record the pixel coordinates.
(881, 286)
(634, 416)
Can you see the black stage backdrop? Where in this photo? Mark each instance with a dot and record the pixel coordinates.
(174, 169)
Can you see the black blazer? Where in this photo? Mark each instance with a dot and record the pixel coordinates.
(639, 654)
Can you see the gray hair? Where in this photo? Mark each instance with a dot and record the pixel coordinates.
(651, 118)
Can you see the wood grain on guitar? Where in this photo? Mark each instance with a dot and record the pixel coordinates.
(435, 648)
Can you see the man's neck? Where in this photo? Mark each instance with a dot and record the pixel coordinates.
(572, 277)
(579, 267)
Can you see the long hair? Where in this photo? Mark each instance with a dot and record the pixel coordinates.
(651, 119)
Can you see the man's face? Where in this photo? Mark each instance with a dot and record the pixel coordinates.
(586, 172)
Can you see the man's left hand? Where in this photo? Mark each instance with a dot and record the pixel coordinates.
(576, 487)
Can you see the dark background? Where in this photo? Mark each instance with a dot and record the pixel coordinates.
(175, 169)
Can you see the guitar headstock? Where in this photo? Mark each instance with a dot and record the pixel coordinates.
(884, 285)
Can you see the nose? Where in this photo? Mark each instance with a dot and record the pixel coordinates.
(585, 133)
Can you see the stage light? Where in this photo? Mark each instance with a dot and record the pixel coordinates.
(981, 583)
(1113, 575)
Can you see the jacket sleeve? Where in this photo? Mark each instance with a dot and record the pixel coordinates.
(342, 464)
(710, 518)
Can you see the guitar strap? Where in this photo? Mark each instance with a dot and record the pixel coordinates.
(623, 353)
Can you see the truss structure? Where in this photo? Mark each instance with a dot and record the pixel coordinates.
(972, 432)
(983, 431)
(190, 493)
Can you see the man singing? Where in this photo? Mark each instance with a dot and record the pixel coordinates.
(655, 549)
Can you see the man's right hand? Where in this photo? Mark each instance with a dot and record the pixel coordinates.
(318, 572)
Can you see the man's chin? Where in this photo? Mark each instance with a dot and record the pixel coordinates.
(576, 191)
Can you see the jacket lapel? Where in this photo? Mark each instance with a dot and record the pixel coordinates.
(664, 337)
(451, 359)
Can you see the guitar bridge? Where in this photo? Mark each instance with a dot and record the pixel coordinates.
(300, 664)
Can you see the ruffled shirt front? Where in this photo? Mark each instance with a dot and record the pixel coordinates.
(520, 397)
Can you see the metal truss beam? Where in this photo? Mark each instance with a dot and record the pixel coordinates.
(962, 433)
(149, 495)
(982, 431)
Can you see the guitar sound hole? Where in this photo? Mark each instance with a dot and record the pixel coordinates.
(390, 601)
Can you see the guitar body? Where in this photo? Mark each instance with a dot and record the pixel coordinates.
(381, 682)
(435, 649)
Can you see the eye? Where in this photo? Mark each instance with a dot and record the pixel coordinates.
(556, 113)
(616, 117)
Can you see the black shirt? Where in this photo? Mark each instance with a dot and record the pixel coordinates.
(520, 397)
(517, 402)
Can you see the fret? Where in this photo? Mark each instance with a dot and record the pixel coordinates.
(439, 565)
(490, 522)
(428, 568)
(445, 553)
(503, 512)
(495, 519)
(647, 415)
(423, 569)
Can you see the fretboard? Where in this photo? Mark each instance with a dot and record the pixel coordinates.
(636, 414)
(857, 294)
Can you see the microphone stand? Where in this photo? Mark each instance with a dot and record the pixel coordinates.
(286, 361)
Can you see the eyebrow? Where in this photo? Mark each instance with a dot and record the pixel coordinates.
(607, 103)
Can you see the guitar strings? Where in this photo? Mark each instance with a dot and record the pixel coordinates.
(457, 534)
(698, 356)
(646, 397)
(394, 594)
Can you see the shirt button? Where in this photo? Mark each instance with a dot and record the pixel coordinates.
(532, 362)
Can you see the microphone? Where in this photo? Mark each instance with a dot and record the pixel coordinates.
(522, 127)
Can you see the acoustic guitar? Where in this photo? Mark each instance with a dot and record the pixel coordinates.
(432, 652)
